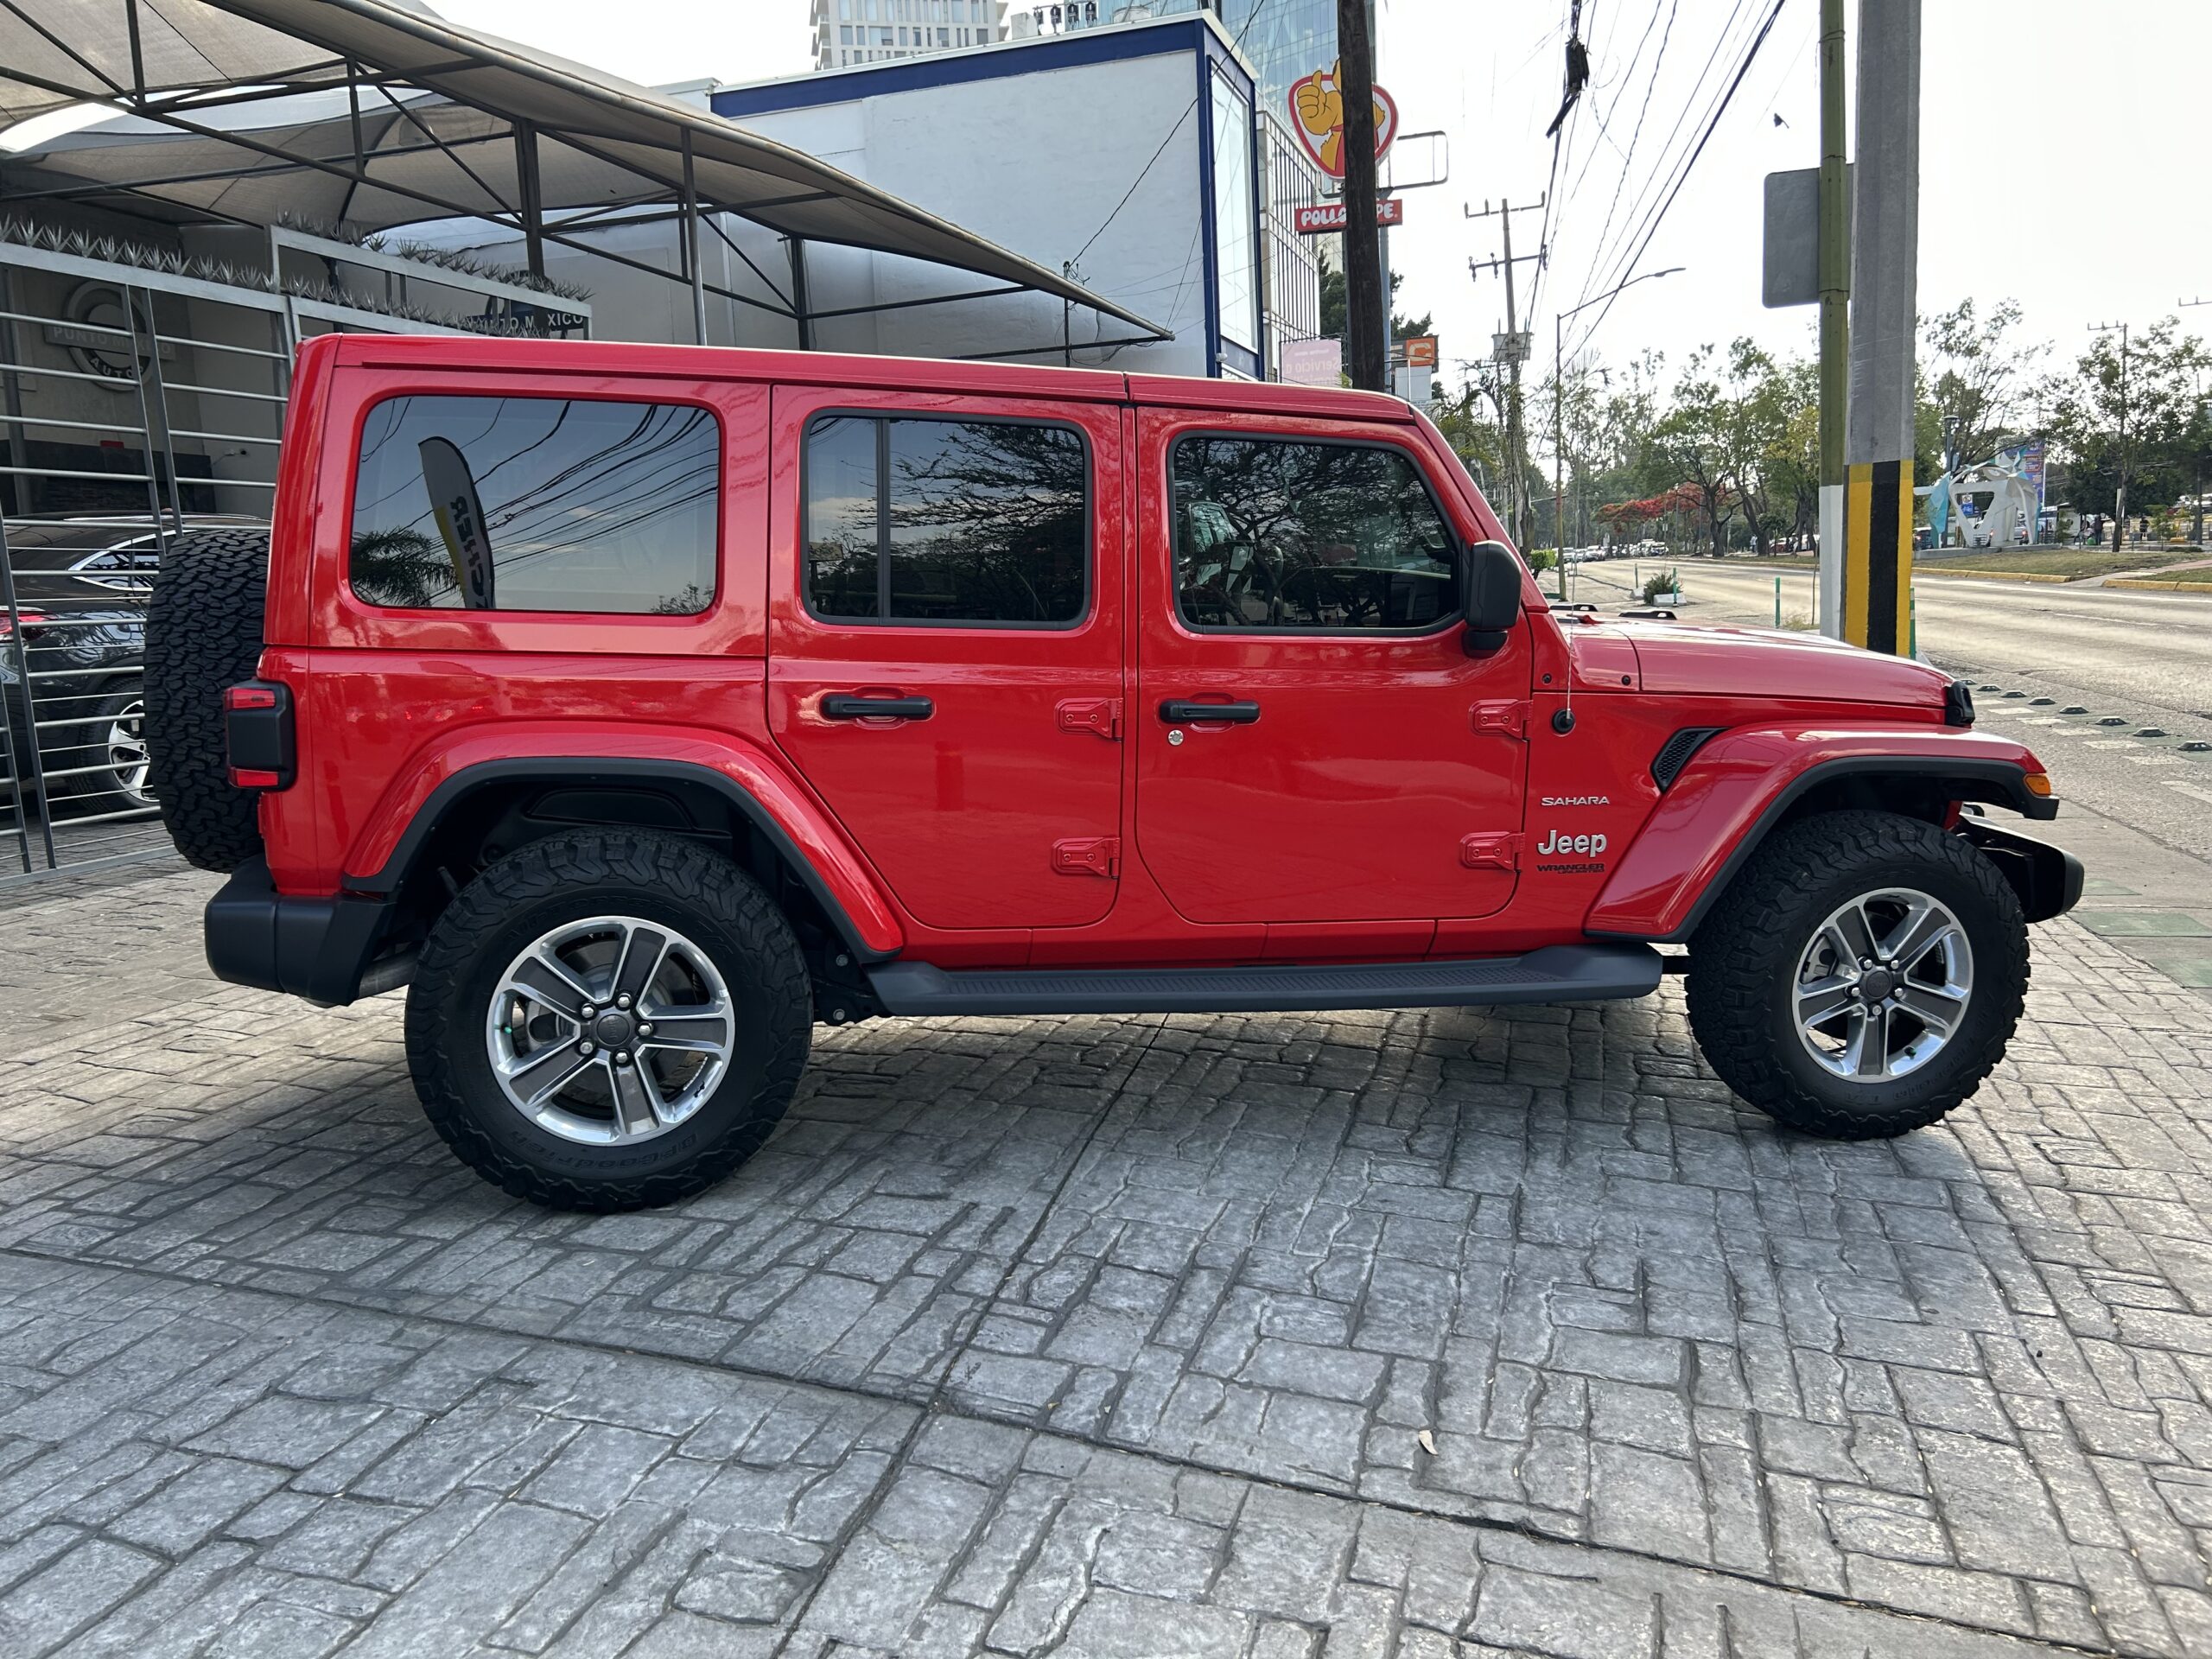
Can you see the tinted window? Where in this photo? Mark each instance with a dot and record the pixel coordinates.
(535, 504)
(1273, 534)
(946, 521)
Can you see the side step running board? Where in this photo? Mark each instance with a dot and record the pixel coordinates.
(1558, 973)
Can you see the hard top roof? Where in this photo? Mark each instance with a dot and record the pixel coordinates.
(617, 358)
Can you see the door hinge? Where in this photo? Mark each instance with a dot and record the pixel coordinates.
(1506, 719)
(1101, 716)
(1489, 851)
(1087, 856)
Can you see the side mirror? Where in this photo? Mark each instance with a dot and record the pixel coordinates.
(1489, 583)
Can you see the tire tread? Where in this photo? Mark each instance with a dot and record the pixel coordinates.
(1736, 958)
(577, 861)
(203, 633)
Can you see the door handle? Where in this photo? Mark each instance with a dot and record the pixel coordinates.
(1176, 712)
(837, 706)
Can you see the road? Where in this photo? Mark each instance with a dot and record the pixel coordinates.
(2141, 659)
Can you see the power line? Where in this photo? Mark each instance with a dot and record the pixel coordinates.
(1590, 281)
(1630, 263)
(1252, 17)
(1666, 165)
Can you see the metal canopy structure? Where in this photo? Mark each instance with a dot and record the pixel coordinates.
(368, 114)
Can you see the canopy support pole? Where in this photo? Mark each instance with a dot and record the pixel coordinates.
(533, 198)
(691, 245)
(800, 314)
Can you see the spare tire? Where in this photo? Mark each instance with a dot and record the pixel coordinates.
(203, 633)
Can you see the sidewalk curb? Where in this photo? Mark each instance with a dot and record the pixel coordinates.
(1920, 570)
(2151, 584)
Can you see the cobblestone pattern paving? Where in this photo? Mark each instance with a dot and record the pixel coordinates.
(1420, 1333)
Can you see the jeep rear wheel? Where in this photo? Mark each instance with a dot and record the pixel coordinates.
(609, 1019)
(1861, 977)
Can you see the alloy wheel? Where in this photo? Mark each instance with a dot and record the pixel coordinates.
(1883, 985)
(609, 1030)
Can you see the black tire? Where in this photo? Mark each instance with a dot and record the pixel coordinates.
(587, 873)
(1745, 956)
(203, 633)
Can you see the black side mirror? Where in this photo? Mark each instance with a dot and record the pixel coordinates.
(1489, 583)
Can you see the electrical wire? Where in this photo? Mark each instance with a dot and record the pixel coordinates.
(1636, 134)
(1636, 255)
(1253, 16)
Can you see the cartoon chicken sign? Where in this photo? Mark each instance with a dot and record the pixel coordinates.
(1319, 108)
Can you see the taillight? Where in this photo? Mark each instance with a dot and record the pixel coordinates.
(258, 735)
(31, 615)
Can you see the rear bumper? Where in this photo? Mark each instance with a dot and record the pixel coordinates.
(319, 949)
(2047, 878)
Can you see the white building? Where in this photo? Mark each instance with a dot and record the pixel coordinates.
(1129, 155)
(846, 32)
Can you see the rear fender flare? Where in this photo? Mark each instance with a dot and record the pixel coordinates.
(1740, 785)
(759, 787)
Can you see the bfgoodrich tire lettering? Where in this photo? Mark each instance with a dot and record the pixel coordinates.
(1745, 959)
(585, 873)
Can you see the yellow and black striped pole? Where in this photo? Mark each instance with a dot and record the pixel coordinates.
(1876, 611)
(1877, 557)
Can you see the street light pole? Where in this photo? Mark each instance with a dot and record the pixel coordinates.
(1559, 413)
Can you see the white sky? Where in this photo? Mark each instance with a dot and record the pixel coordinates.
(2059, 144)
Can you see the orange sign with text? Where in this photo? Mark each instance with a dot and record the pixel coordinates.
(1317, 109)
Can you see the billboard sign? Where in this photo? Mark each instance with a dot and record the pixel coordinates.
(1420, 351)
(1330, 216)
(1316, 110)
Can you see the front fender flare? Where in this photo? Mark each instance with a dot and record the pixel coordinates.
(753, 781)
(1740, 785)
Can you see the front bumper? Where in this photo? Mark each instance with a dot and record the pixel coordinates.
(324, 950)
(2047, 878)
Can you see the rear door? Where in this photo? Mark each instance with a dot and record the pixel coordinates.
(1314, 744)
(945, 613)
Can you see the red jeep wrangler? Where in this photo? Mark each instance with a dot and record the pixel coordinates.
(640, 707)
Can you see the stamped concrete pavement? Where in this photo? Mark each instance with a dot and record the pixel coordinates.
(1422, 1334)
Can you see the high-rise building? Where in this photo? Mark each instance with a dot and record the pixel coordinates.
(1287, 40)
(846, 32)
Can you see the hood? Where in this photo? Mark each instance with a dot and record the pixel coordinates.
(1697, 659)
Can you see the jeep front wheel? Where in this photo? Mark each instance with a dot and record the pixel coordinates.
(1861, 977)
(607, 1020)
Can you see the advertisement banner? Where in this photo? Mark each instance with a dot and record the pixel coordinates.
(1314, 362)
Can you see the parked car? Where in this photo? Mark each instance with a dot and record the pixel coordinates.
(80, 589)
(640, 707)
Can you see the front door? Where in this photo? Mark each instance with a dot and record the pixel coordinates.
(1314, 744)
(945, 649)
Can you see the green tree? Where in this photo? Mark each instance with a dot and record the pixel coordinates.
(2148, 421)
(1975, 373)
(1335, 307)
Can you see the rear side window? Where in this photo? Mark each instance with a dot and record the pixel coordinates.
(535, 504)
(1305, 537)
(950, 522)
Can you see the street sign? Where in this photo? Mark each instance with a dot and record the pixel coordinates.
(1511, 348)
(1790, 271)
(1330, 216)
(1420, 351)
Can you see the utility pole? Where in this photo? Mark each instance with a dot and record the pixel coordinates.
(2119, 505)
(1512, 352)
(1367, 302)
(1835, 319)
(1877, 609)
